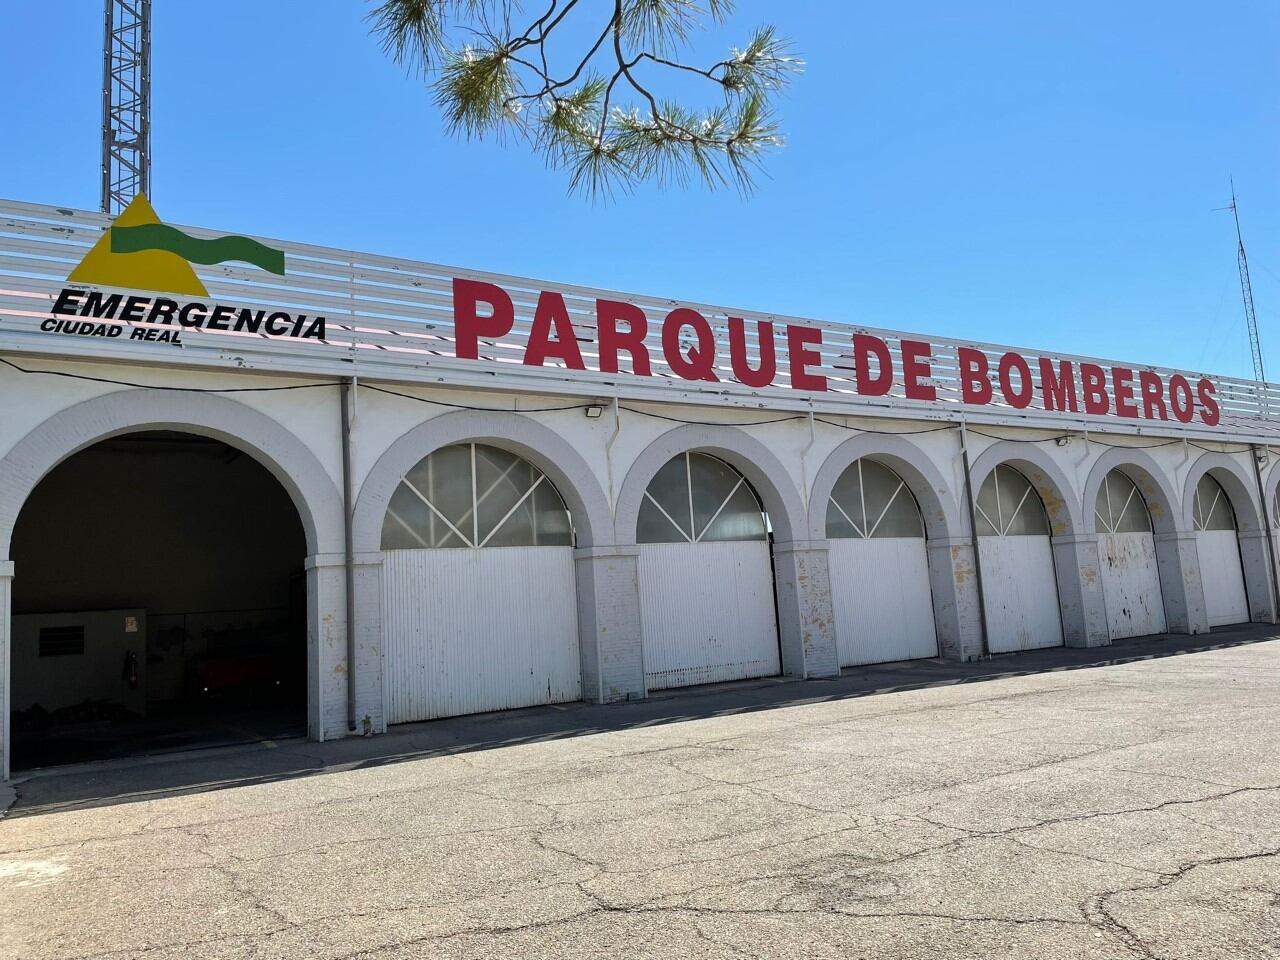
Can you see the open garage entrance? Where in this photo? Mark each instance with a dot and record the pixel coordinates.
(158, 603)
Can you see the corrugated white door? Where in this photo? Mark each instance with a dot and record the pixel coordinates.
(1127, 553)
(1021, 593)
(1225, 601)
(1131, 585)
(1020, 587)
(707, 614)
(1218, 547)
(479, 598)
(469, 630)
(879, 567)
(881, 599)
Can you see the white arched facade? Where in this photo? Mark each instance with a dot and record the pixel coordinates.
(815, 609)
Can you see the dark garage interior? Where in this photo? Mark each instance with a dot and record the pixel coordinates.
(158, 603)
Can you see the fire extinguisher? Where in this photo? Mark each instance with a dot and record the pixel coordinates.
(130, 670)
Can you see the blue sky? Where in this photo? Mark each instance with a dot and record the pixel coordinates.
(1017, 173)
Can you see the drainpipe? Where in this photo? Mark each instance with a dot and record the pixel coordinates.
(1266, 525)
(608, 449)
(348, 532)
(973, 534)
(804, 455)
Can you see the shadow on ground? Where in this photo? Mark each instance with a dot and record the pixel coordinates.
(164, 775)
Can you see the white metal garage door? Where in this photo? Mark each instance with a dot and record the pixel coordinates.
(1127, 552)
(1218, 545)
(1020, 590)
(479, 606)
(706, 577)
(879, 568)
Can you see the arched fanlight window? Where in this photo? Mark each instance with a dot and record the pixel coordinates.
(697, 498)
(473, 495)
(870, 500)
(1212, 510)
(1120, 507)
(1008, 506)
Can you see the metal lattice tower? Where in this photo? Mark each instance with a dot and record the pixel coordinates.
(1246, 292)
(126, 103)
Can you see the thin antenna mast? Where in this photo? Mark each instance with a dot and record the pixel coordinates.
(126, 103)
(1246, 292)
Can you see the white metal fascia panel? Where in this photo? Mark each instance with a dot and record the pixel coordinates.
(392, 319)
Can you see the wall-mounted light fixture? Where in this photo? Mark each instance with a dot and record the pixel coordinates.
(594, 412)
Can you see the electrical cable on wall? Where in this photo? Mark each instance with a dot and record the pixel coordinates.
(583, 406)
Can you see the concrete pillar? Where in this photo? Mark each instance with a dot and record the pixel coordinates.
(6, 640)
(368, 613)
(1080, 598)
(1178, 561)
(954, 583)
(806, 622)
(1258, 581)
(609, 638)
(326, 647)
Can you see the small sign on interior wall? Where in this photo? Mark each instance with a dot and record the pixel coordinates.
(130, 624)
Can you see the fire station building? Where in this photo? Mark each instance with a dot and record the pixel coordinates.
(268, 487)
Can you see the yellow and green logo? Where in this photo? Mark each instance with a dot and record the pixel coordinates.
(139, 252)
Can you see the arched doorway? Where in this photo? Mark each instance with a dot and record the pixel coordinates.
(879, 568)
(1218, 546)
(706, 577)
(1020, 590)
(479, 598)
(159, 602)
(1127, 552)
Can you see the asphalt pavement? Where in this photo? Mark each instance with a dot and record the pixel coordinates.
(1112, 803)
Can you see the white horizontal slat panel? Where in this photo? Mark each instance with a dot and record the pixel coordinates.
(881, 599)
(1020, 593)
(1131, 585)
(471, 630)
(707, 613)
(392, 319)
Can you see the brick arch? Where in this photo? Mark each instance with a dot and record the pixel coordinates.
(281, 452)
(749, 456)
(1153, 482)
(539, 444)
(1047, 478)
(938, 504)
(1238, 482)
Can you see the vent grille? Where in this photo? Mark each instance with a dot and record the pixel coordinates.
(62, 641)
